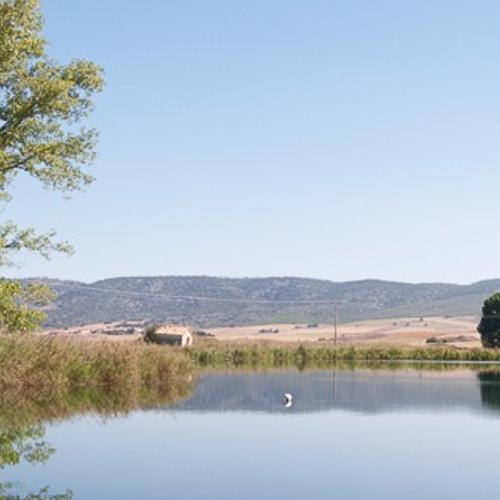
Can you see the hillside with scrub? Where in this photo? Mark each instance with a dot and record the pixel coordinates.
(210, 302)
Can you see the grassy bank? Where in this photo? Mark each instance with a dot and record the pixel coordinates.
(226, 355)
(32, 365)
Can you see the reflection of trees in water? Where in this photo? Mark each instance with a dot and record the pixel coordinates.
(8, 492)
(22, 420)
(489, 383)
(25, 443)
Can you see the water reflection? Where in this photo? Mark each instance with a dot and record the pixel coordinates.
(231, 396)
(360, 390)
(23, 421)
(25, 443)
(489, 383)
(10, 491)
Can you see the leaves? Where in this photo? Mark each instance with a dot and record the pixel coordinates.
(13, 239)
(40, 102)
(41, 105)
(489, 327)
(20, 305)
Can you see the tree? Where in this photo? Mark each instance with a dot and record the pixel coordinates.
(20, 305)
(489, 326)
(41, 105)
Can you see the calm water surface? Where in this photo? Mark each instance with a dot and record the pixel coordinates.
(362, 434)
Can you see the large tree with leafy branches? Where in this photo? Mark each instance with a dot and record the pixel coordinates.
(42, 104)
(489, 326)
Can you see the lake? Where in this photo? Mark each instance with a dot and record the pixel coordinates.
(398, 433)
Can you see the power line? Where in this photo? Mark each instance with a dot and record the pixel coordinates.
(174, 298)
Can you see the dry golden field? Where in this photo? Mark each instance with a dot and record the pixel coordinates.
(458, 331)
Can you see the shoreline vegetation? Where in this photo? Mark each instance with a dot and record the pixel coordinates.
(302, 356)
(58, 377)
(47, 379)
(53, 378)
(51, 369)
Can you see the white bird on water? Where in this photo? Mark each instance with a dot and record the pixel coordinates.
(287, 400)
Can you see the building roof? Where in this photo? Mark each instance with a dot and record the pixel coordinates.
(177, 330)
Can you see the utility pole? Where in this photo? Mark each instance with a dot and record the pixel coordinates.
(336, 322)
(336, 353)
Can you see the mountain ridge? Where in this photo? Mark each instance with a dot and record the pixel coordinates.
(208, 301)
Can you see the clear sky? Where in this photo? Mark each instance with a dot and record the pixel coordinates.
(323, 138)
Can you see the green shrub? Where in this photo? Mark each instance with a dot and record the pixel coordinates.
(489, 327)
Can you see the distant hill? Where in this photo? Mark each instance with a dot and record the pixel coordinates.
(207, 302)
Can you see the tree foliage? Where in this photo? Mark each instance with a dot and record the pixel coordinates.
(20, 305)
(489, 327)
(40, 101)
(41, 105)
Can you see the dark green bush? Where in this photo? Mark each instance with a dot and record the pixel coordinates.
(489, 327)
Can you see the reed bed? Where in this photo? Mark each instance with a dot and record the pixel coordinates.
(46, 366)
(218, 354)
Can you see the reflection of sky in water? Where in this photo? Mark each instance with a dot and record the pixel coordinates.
(398, 448)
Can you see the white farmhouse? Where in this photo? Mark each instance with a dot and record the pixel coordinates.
(181, 336)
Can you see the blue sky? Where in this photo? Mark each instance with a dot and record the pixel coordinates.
(331, 139)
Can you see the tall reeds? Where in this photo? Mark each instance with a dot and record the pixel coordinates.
(47, 365)
(219, 354)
